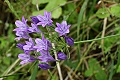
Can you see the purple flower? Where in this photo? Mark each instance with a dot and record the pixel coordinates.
(45, 20)
(21, 34)
(69, 40)
(44, 52)
(22, 25)
(62, 28)
(34, 19)
(29, 45)
(22, 29)
(20, 45)
(44, 66)
(42, 44)
(34, 28)
(61, 56)
(26, 58)
(45, 56)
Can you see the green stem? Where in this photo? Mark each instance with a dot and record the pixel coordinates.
(57, 63)
(10, 68)
(50, 73)
(96, 39)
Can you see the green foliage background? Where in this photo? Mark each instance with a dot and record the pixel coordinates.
(95, 27)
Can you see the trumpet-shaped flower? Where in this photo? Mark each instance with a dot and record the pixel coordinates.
(29, 45)
(34, 19)
(42, 44)
(34, 28)
(21, 34)
(22, 25)
(62, 28)
(26, 58)
(69, 40)
(61, 56)
(20, 45)
(45, 56)
(45, 66)
(44, 20)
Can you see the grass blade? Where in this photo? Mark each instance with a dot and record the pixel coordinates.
(12, 9)
(33, 76)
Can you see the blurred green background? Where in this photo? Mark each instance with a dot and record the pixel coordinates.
(95, 27)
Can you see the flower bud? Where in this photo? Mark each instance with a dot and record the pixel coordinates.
(61, 56)
(69, 41)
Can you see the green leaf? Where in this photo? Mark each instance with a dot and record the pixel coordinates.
(118, 70)
(89, 72)
(52, 6)
(35, 13)
(6, 60)
(33, 76)
(39, 1)
(54, 77)
(115, 10)
(102, 13)
(4, 43)
(69, 62)
(108, 44)
(54, 3)
(95, 69)
(118, 63)
(11, 78)
(56, 13)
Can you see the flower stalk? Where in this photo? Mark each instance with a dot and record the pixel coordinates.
(57, 63)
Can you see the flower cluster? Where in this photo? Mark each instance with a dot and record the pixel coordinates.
(40, 49)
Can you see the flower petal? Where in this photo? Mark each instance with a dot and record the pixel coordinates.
(44, 66)
(61, 56)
